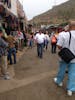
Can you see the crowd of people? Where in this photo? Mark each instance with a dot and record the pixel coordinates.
(15, 41)
(10, 45)
(65, 39)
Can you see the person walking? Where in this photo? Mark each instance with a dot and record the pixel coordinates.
(47, 39)
(3, 57)
(30, 41)
(63, 41)
(53, 43)
(39, 38)
(12, 50)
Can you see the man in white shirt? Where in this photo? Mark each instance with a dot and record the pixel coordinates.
(63, 41)
(39, 38)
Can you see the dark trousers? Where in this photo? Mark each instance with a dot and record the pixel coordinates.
(53, 49)
(40, 50)
(12, 51)
(30, 43)
(46, 44)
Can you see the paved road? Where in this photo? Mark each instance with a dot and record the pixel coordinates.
(33, 79)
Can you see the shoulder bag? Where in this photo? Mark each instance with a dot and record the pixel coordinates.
(65, 54)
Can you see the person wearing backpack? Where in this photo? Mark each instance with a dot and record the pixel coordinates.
(53, 44)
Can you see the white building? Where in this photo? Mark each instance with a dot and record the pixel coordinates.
(13, 8)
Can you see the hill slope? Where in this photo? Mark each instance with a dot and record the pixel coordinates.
(57, 14)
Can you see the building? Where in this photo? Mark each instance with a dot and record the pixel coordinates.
(21, 16)
(12, 16)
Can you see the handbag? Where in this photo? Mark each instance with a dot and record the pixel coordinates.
(65, 54)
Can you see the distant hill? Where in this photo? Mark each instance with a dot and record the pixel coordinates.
(57, 14)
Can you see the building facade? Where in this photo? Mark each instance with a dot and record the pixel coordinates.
(21, 16)
(12, 16)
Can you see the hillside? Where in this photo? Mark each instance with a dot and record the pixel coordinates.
(57, 14)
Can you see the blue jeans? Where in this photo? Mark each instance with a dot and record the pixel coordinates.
(12, 51)
(71, 75)
(46, 44)
(40, 50)
(30, 43)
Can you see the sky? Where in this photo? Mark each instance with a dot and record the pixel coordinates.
(35, 7)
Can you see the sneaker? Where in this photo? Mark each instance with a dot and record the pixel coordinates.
(69, 93)
(60, 84)
(6, 77)
(55, 79)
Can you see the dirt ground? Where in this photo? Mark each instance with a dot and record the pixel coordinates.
(36, 78)
(30, 64)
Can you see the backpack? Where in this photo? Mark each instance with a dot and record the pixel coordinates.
(54, 39)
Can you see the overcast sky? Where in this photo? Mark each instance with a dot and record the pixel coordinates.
(36, 7)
